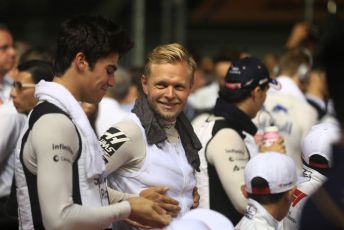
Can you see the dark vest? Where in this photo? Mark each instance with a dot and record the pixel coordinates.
(31, 179)
(239, 121)
(219, 200)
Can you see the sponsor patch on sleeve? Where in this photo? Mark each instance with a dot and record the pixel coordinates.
(111, 141)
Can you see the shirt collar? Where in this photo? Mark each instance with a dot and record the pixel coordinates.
(289, 87)
(256, 211)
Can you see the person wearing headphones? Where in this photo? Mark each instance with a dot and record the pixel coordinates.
(287, 108)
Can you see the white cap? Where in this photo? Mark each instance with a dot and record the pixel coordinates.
(277, 169)
(206, 219)
(180, 224)
(318, 141)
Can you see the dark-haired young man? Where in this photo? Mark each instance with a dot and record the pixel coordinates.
(270, 180)
(227, 137)
(59, 169)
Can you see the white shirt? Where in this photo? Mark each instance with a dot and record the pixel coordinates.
(289, 87)
(11, 124)
(5, 90)
(205, 97)
(109, 113)
(133, 165)
(290, 112)
(257, 218)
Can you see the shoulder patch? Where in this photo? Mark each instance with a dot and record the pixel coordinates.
(111, 141)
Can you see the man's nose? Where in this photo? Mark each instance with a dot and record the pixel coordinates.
(13, 93)
(170, 92)
(12, 51)
(111, 81)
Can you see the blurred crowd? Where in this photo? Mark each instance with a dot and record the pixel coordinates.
(187, 141)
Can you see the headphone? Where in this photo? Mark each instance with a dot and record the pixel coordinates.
(302, 71)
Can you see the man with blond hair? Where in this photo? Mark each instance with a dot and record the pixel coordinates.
(156, 145)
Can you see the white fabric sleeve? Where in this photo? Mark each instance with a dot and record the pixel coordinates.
(11, 123)
(227, 152)
(123, 147)
(311, 120)
(54, 179)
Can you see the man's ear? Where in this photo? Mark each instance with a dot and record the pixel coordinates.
(255, 92)
(243, 191)
(80, 61)
(144, 83)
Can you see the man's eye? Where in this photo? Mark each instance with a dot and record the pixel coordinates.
(110, 70)
(160, 86)
(180, 88)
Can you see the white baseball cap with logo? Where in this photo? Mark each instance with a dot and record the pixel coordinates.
(277, 169)
(318, 141)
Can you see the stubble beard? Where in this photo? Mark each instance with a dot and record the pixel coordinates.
(166, 116)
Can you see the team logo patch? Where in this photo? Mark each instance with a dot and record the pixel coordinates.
(307, 174)
(297, 197)
(279, 108)
(111, 141)
(250, 211)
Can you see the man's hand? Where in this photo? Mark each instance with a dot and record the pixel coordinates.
(157, 194)
(147, 214)
(299, 33)
(277, 146)
(136, 224)
(196, 198)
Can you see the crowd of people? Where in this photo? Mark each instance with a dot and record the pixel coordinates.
(183, 142)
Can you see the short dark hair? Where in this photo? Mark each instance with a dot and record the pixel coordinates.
(36, 53)
(95, 37)
(315, 160)
(259, 182)
(39, 70)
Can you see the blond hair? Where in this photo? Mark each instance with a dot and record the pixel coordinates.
(171, 54)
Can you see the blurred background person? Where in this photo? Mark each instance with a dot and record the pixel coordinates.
(109, 110)
(270, 181)
(11, 124)
(7, 62)
(227, 138)
(325, 208)
(287, 107)
(203, 98)
(316, 162)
